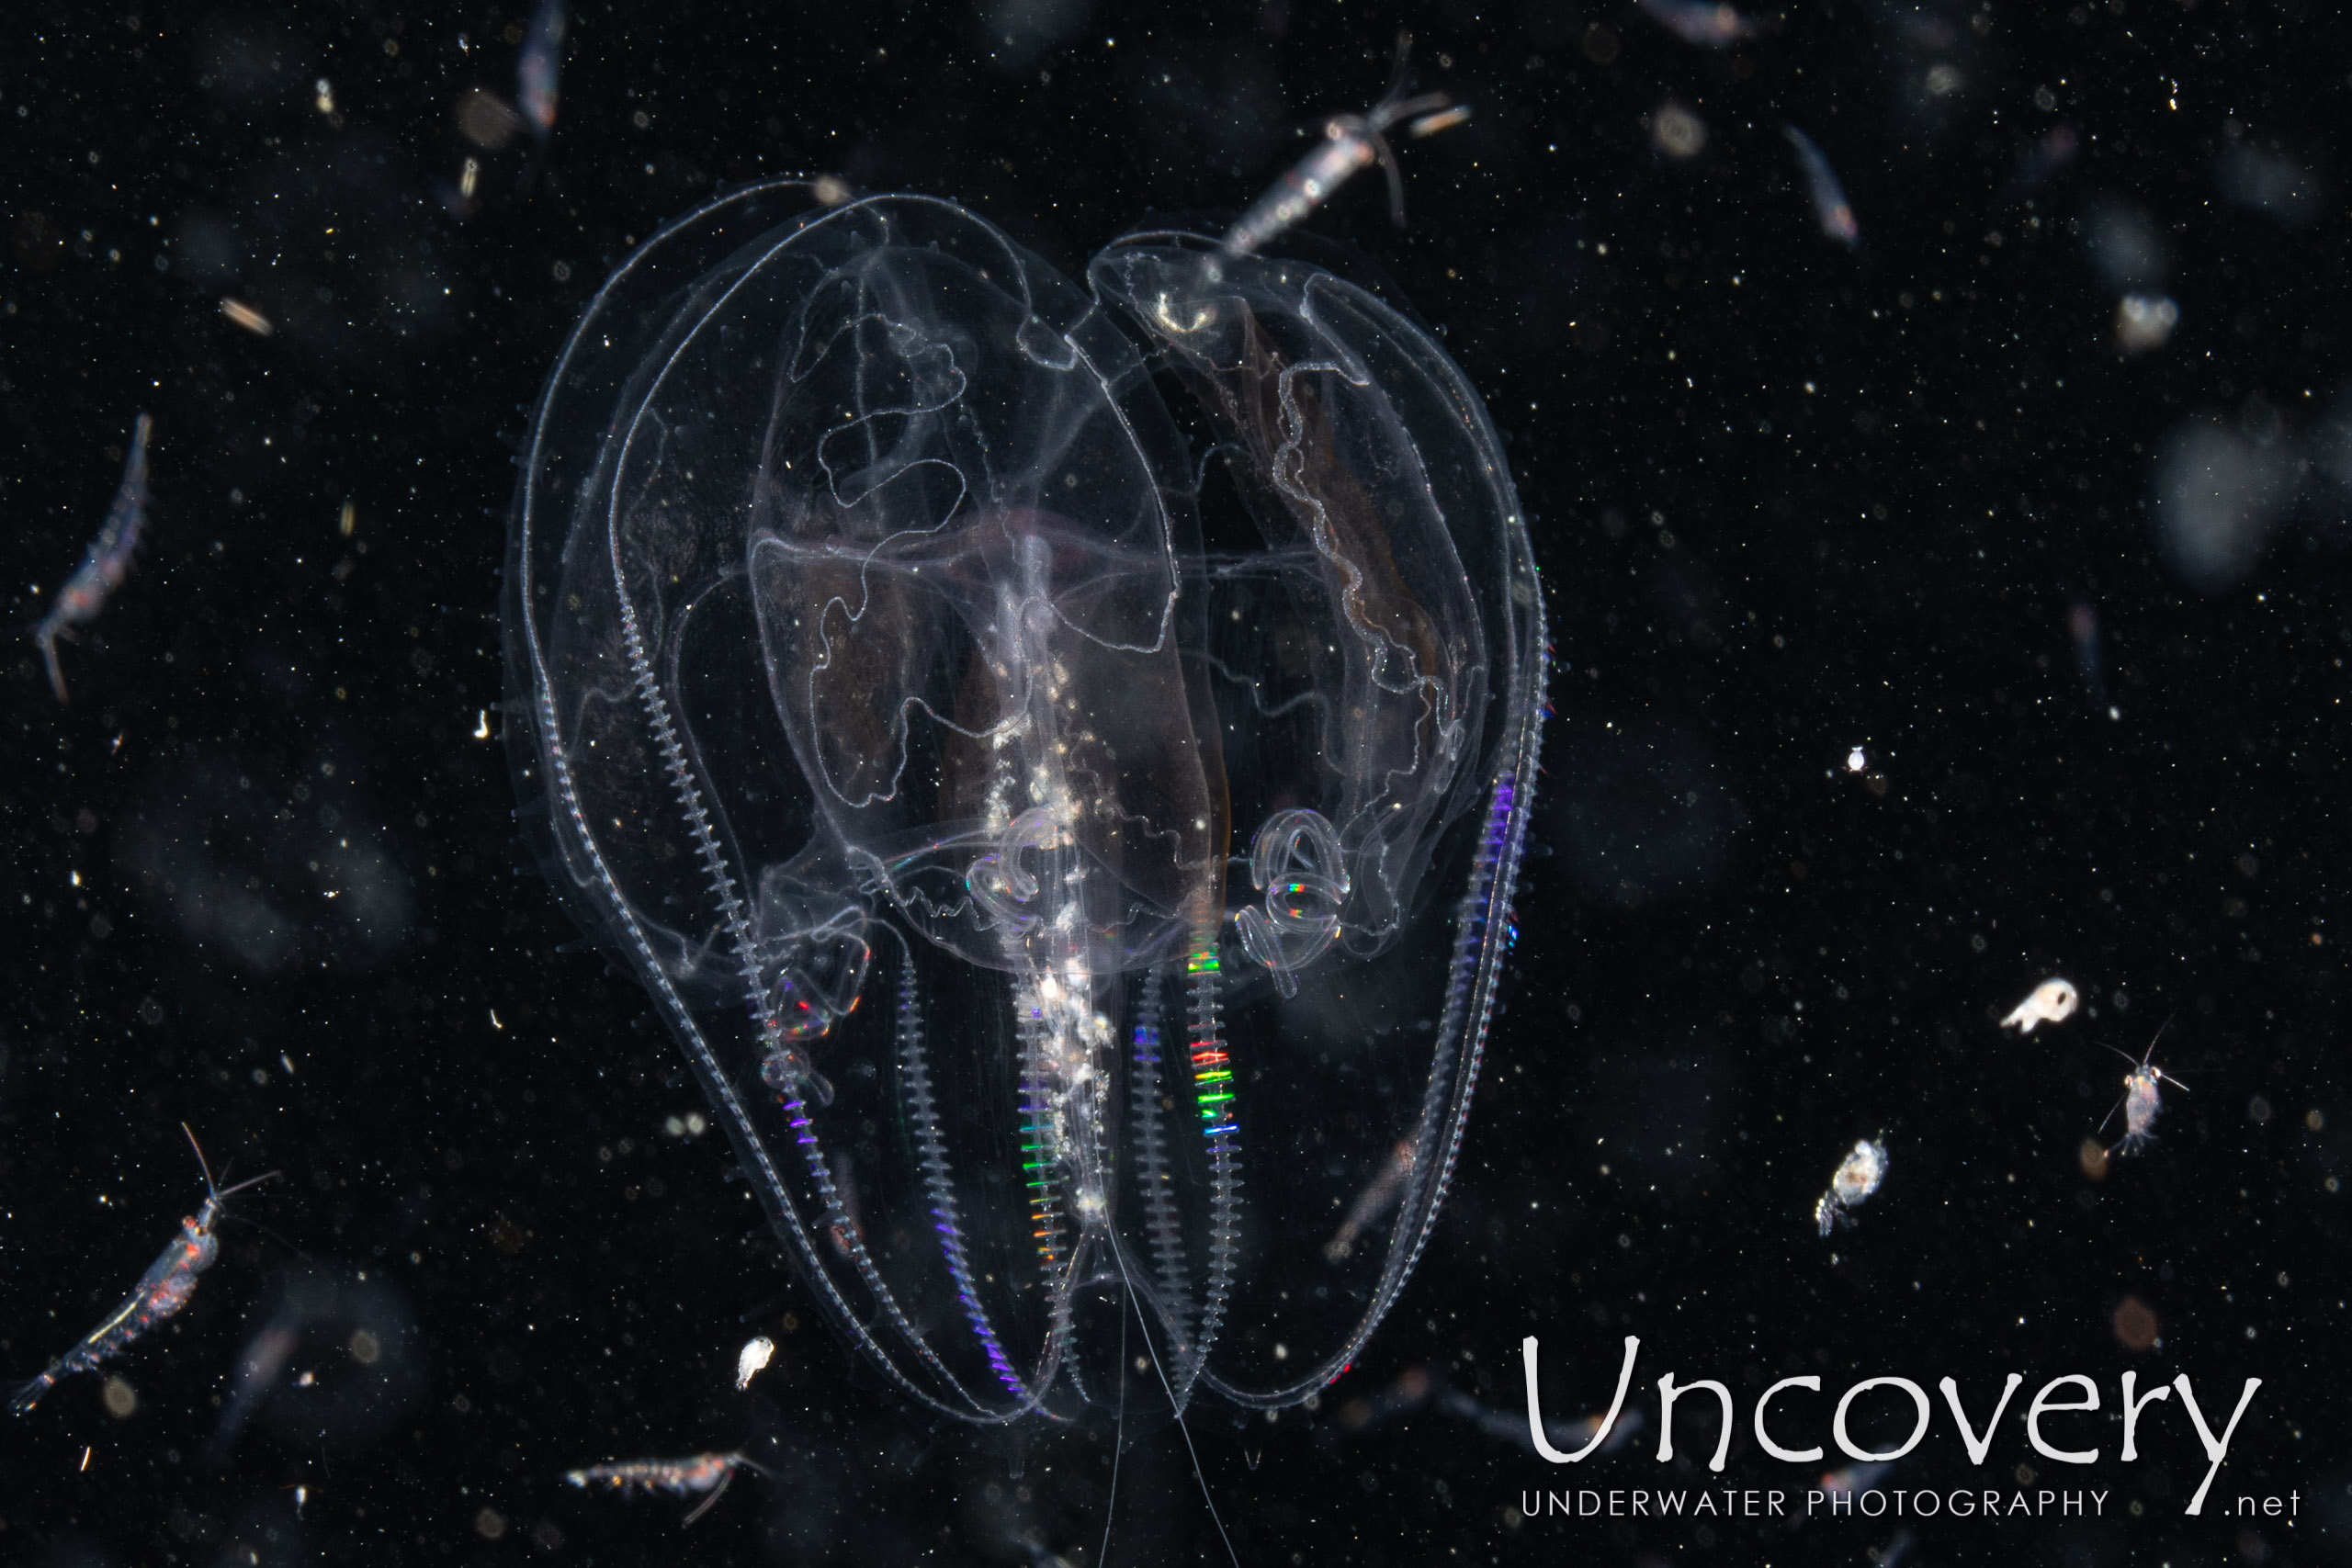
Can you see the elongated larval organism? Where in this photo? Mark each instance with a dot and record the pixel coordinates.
(165, 1288)
(1710, 26)
(679, 1477)
(105, 563)
(1857, 1176)
(1351, 143)
(1830, 203)
(2052, 1002)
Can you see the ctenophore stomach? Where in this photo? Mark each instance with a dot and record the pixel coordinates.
(1058, 758)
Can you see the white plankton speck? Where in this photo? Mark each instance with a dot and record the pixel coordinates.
(2054, 1001)
(1855, 762)
(1856, 1178)
(753, 1355)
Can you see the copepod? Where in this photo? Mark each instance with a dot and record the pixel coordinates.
(701, 1473)
(2141, 1100)
(1351, 143)
(105, 563)
(161, 1292)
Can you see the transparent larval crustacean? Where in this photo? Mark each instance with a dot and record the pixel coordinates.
(1057, 756)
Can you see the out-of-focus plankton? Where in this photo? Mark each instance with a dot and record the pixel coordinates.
(1856, 1178)
(2141, 1100)
(2144, 322)
(1698, 22)
(1830, 205)
(2052, 1002)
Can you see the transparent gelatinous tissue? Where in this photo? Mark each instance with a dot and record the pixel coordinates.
(1058, 757)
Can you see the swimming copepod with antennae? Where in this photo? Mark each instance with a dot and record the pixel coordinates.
(2141, 1100)
(165, 1288)
(702, 1473)
(1351, 143)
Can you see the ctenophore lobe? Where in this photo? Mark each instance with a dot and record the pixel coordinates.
(1058, 758)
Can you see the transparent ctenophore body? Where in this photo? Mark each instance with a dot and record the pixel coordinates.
(1058, 757)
